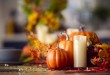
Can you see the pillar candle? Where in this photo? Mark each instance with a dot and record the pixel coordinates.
(70, 30)
(41, 31)
(80, 51)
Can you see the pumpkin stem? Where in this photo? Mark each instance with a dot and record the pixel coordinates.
(57, 46)
(67, 37)
(82, 28)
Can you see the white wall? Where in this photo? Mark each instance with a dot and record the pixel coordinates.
(1, 23)
(5, 7)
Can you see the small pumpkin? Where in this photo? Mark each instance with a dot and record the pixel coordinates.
(67, 45)
(59, 39)
(26, 50)
(91, 36)
(56, 58)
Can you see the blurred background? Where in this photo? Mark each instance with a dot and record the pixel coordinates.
(15, 18)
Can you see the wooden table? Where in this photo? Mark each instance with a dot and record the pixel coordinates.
(42, 70)
(50, 73)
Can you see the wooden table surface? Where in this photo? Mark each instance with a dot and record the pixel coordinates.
(43, 70)
(50, 73)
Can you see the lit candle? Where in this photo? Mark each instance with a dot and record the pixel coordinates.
(80, 51)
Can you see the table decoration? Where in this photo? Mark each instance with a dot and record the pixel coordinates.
(42, 47)
(97, 54)
(56, 58)
(42, 23)
(102, 58)
(37, 50)
(67, 45)
(92, 37)
(80, 51)
(46, 13)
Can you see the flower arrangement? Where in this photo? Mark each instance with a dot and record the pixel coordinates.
(100, 55)
(48, 19)
(42, 20)
(40, 13)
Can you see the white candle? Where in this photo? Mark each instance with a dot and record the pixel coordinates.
(70, 30)
(80, 51)
(41, 31)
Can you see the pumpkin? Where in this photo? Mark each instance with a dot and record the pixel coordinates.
(56, 58)
(26, 50)
(59, 39)
(67, 45)
(92, 38)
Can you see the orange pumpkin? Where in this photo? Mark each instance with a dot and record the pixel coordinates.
(56, 58)
(91, 36)
(60, 38)
(26, 50)
(67, 45)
